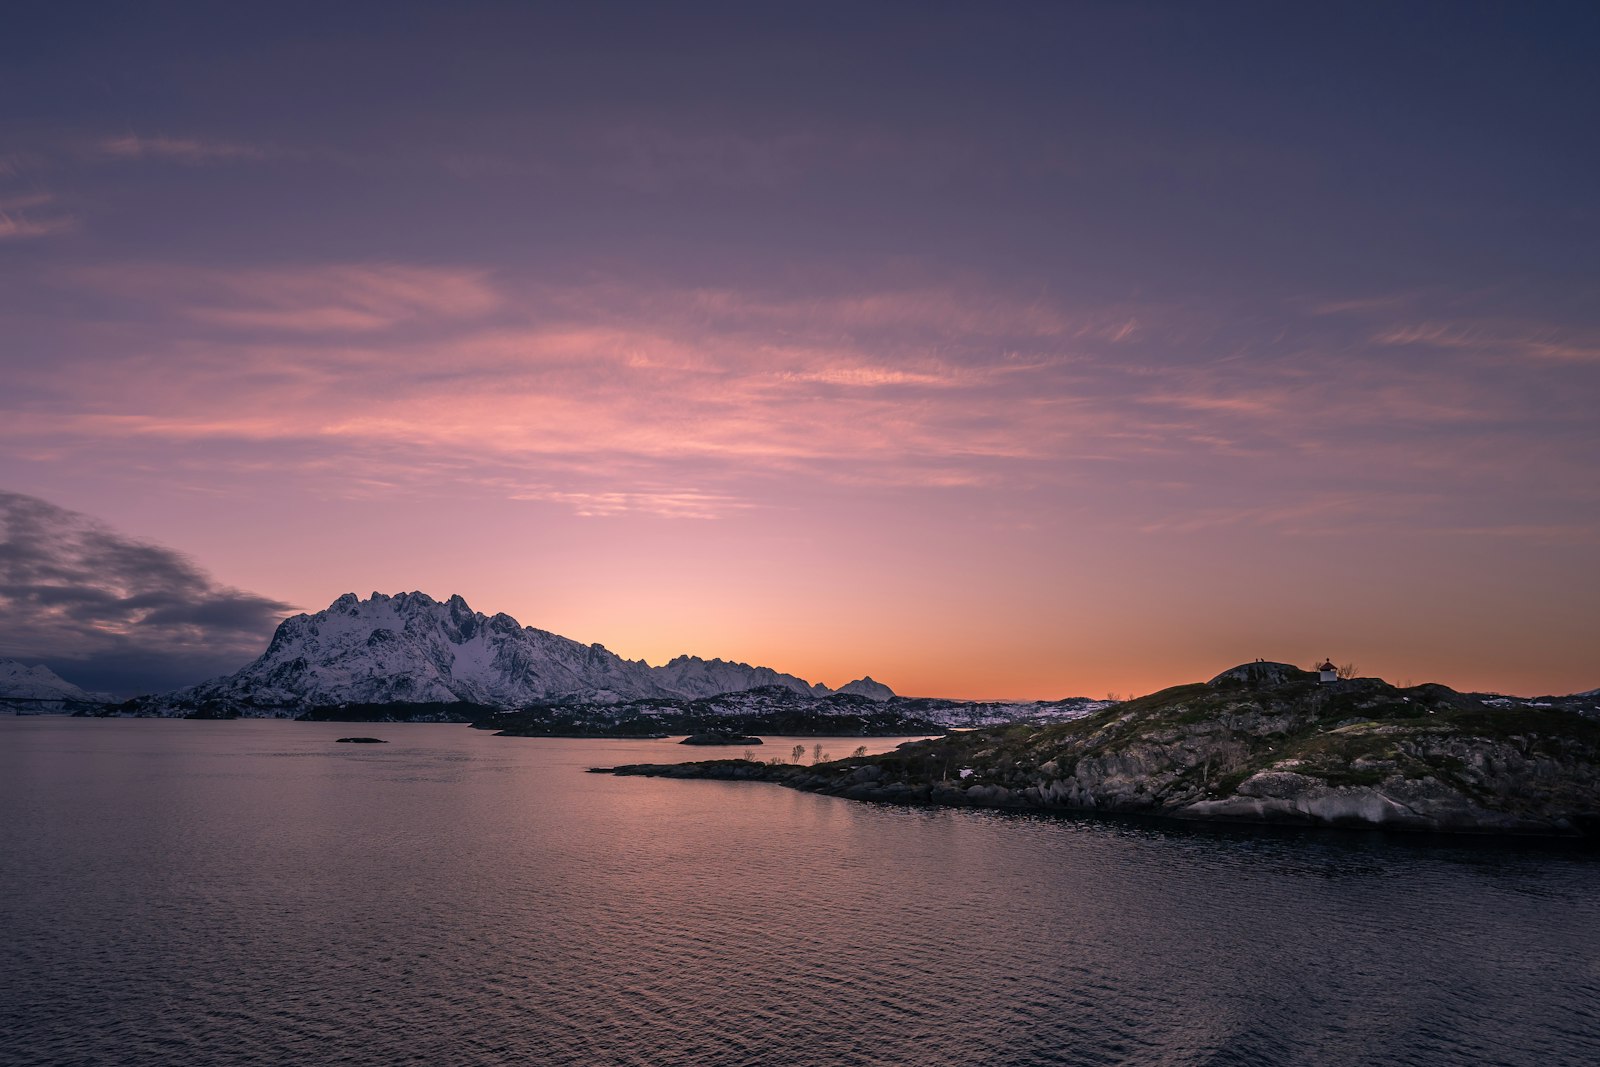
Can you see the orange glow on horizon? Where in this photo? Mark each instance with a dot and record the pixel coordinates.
(830, 487)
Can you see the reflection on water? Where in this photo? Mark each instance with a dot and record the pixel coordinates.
(251, 892)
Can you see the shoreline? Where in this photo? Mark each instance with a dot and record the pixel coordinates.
(854, 780)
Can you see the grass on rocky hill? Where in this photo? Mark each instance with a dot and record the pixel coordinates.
(1360, 732)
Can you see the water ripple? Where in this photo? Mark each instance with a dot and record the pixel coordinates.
(250, 893)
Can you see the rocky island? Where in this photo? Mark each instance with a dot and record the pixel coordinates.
(720, 737)
(1261, 743)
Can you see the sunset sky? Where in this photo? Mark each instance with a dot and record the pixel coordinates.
(994, 350)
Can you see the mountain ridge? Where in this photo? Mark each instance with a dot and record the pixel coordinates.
(37, 688)
(410, 648)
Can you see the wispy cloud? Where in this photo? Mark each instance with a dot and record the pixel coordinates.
(28, 215)
(615, 397)
(667, 503)
(317, 300)
(869, 377)
(1496, 337)
(21, 227)
(190, 150)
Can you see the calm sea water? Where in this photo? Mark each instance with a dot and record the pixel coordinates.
(252, 893)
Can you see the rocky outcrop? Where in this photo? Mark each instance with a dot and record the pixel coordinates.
(1276, 749)
(1261, 672)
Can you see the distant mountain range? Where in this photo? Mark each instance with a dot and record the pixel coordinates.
(774, 710)
(412, 649)
(409, 656)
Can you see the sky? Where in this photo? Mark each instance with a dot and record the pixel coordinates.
(1009, 350)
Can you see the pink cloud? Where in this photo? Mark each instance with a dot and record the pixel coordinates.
(1516, 340)
(313, 300)
(18, 228)
(180, 149)
(21, 217)
(614, 398)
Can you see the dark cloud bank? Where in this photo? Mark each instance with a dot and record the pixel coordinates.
(114, 614)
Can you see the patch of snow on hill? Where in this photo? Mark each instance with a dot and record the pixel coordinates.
(38, 688)
(867, 687)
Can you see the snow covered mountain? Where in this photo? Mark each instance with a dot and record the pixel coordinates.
(691, 676)
(412, 648)
(25, 689)
(868, 687)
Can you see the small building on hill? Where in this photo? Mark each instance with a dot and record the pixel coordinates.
(1327, 672)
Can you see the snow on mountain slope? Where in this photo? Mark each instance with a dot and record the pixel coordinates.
(410, 647)
(781, 710)
(957, 714)
(867, 687)
(37, 688)
(970, 714)
(691, 676)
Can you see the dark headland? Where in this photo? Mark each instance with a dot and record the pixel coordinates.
(1261, 743)
(720, 737)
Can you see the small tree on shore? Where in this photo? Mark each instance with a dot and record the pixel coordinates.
(1346, 670)
(798, 754)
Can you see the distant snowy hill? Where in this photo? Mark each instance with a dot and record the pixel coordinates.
(867, 687)
(971, 714)
(691, 676)
(38, 689)
(413, 648)
(767, 710)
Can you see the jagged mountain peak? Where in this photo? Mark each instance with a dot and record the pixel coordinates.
(410, 647)
(694, 676)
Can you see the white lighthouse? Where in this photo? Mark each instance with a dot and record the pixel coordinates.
(1327, 672)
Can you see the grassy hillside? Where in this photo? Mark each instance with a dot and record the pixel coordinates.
(1274, 746)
